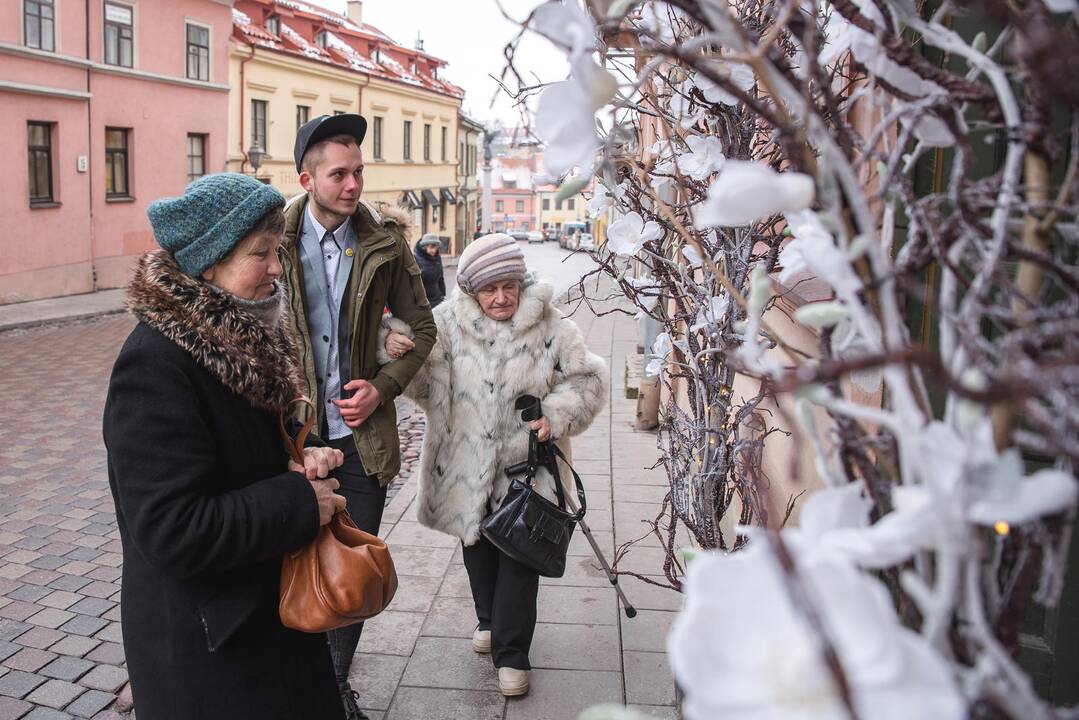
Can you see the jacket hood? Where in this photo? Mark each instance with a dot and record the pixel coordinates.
(533, 305)
(255, 362)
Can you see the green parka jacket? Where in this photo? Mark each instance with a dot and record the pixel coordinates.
(384, 274)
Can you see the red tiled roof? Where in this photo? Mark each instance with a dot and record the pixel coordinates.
(347, 45)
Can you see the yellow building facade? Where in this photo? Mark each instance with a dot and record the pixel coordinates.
(278, 82)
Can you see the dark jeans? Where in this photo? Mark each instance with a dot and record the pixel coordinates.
(504, 592)
(365, 500)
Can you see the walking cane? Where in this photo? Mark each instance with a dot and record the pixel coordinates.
(530, 408)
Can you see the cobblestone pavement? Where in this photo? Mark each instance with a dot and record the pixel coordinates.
(60, 647)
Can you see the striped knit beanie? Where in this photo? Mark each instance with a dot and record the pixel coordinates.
(488, 259)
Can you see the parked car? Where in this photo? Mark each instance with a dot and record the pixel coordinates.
(519, 235)
(586, 242)
(535, 236)
(550, 234)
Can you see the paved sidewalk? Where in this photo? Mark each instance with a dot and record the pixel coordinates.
(60, 652)
(61, 309)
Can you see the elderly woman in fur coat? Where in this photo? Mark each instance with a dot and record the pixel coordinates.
(499, 337)
(207, 501)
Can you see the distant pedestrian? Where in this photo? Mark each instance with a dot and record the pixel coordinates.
(207, 502)
(499, 337)
(429, 258)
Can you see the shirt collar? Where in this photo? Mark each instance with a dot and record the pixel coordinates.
(320, 232)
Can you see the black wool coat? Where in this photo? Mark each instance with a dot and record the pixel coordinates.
(431, 272)
(206, 509)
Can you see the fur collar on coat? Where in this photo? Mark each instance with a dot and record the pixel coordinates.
(250, 360)
(468, 386)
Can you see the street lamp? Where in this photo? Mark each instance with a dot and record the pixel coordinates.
(255, 156)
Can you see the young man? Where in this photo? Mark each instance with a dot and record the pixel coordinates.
(344, 262)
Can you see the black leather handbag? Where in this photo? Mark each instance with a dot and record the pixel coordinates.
(527, 526)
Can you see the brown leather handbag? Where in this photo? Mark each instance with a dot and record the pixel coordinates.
(345, 576)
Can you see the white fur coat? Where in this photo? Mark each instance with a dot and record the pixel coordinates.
(468, 386)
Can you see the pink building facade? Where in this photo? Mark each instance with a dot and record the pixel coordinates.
(514, 210)
(99, 116)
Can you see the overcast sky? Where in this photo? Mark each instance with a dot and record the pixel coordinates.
(470, 36)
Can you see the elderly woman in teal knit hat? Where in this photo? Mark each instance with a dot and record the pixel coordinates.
(207, 502)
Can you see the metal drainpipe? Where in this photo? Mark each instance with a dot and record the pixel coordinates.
(90, 154)
(243, 62)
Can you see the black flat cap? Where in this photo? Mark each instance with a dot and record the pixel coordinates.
(325, 126)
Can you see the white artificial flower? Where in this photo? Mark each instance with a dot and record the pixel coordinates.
(648, 293)
(705, 156)
(746, 192)
(683, 108)
(712, 313)
(599, 202)
(964, 481)
(931, 131)
(693, 258)
(569, 27)
(739, 74)
(1062, 6)
(813, 249)
(627, 235)
(821, 314)
(661, 348)
(566, 114)
(741, 649)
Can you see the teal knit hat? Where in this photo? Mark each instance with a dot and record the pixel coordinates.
(212, 216)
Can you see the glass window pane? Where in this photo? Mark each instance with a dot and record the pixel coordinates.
(108, 175)
(125, 53)
(46, 35)
(37, 134)
(42, 163)
(46, 10)
(33, 32)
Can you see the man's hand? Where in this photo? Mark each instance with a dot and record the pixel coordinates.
(356, 409)
(398, 344)
(318, 462)
(542, 428)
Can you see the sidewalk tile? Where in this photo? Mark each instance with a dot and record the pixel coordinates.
(414, 593)
(67, 668)
(575, 647)
(428, 562)
(416, 535)
(659, 712)
(90, 703)
(18, 684)
(30, 660)
(450, 617)
(564, 694)
(648, 631)
(648, 678)
(578, 605)
(55, 694)
(449, 663)
(375, 677)
(455, 584)
(105, 677)
(74, 646)
(422, 703)
(11, 709)
(39, 637)
(391, 633)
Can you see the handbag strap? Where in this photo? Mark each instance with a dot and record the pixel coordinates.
(295, 446)
(583, 504)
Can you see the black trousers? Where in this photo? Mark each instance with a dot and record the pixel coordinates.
(505, 593)
(365, 500)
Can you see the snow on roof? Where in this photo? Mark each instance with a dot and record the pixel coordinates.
(382, 64)
(354, 58)
(311, 51)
